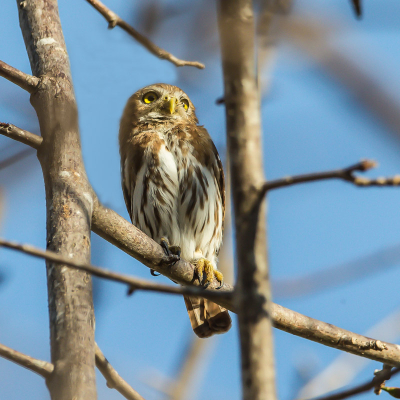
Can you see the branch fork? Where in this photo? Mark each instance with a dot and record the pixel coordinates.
(345, 174)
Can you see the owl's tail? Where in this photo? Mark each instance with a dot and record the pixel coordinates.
(207, 318)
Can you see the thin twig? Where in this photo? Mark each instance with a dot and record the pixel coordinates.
(346, 174)
(379, 378)
(134, 283)
(24, 81)
(357, 7)
(15, 158)
(20, 135)
(113, 20)
(342, 371)
(42, 368)
(114, 381)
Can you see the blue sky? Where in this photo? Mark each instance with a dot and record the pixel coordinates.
(311, 122)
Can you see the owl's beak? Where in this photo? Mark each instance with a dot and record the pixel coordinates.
(170, 104)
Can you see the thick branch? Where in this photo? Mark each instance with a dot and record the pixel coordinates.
(20, 135)
(283, 318)
(114, 381)
(376, 382)
(42, 368)
(112, 227)
(114, 20)
(346, 174)
(24, 81)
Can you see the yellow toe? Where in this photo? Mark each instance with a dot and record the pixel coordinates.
(204, 266)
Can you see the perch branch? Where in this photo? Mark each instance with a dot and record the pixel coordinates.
(133, 283)
(114, 381)
(24, 81)
(346, 174)
(380, 377)
(42, 368)
(20, 135)
(283, 318)
(113, 20)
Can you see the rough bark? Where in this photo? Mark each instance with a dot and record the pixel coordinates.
(69, 202)
(236, 24)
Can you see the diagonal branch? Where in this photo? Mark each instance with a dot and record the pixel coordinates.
(24, 81)
(20, 135)
(114, 381)
(134, 283)
(376, 382)
(42, 368)
(113, 20)
(283, 318)
(346, 174)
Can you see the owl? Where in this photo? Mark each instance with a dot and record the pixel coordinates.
(173, 185)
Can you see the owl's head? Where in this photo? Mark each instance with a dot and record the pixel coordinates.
(160, 103)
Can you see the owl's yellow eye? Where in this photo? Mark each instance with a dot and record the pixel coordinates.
(185, 104)
(149, 97)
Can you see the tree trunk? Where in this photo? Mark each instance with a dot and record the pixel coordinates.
(253, 300)
(69, 202)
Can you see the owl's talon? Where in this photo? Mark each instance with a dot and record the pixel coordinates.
(165, 245)
(206, 273)
(173, 252)
(154, 273)
(199, 269)
(176, 250)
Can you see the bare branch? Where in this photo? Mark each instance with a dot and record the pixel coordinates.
(114, 381)
(346, 174)
(24, 81)
(42, 368)
(20, 135)
(283, 318)
(134, 283)
(114, 20)
(121, 233)
(15, 158)
(357, 7)
(379, 379)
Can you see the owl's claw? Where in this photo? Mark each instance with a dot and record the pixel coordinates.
(204, 266)
(168, 249)
(173, 253)
(154, 273)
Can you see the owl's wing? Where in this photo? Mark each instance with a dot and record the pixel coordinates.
(131, 162)
(128, 188)
(206, 153)
(221, 183)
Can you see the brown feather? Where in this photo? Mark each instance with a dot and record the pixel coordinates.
(151, 140)
(207, 318)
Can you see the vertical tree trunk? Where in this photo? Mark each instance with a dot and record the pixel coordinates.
(242, 104)
(69, 202)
